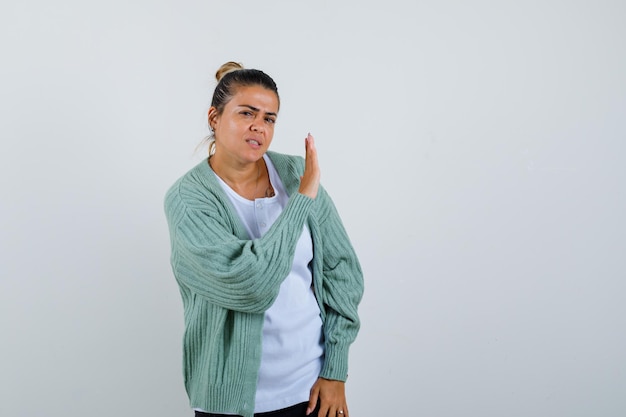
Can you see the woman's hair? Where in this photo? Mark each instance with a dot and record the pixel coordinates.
(230, 77)
(233, 75)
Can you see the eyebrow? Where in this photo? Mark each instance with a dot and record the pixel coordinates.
(269, 113)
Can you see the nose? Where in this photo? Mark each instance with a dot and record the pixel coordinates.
(257, 125)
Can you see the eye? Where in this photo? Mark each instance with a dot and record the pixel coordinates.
(246, 113)
(270, 120)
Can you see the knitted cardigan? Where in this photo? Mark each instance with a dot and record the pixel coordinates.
(228, 281)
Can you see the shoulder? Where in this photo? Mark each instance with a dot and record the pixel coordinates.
(289, 168)
(194, 188)
(285, 162)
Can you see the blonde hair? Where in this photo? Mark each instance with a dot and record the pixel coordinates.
(230, 66)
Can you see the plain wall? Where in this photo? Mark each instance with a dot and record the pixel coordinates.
(474, 150)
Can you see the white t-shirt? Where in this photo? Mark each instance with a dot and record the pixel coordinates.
(293, 346)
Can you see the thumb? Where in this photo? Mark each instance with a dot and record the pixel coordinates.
(312, 400)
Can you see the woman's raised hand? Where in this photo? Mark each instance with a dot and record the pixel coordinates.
(310, 181)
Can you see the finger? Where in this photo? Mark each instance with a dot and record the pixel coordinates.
(311, 153)
(325, 407)
(328, 408)
(307, 143)
(312, 401)
(310, 145)
(307, 153)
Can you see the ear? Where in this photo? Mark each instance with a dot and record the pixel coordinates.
(212, 116)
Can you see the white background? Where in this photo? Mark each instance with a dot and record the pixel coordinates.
(474, 150)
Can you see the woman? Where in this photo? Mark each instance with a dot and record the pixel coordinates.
(269, 280)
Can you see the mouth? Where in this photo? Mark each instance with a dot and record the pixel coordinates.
(255, 143)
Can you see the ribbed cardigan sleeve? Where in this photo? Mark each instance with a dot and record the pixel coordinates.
(212, 257)
(342, 289)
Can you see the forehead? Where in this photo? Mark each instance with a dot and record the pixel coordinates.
(255, 96)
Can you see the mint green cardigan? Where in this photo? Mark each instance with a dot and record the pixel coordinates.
(228, 281)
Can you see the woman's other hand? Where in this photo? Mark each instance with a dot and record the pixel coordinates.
(331, 396)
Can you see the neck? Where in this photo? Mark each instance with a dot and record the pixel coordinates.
(243, 179)
(235, 173)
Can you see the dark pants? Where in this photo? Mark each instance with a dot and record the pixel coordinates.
(298, 410)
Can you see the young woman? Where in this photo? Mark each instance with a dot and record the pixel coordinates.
(269, 280)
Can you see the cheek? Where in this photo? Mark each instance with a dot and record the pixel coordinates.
(229, 125)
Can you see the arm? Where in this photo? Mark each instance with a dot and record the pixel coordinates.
(211, 261)
(342, 291)
(209, 258)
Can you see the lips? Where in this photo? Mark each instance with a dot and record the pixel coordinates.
(255, 143)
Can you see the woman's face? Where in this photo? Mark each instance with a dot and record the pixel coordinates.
(244, 130)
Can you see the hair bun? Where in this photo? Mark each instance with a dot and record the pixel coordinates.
(230, 66)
